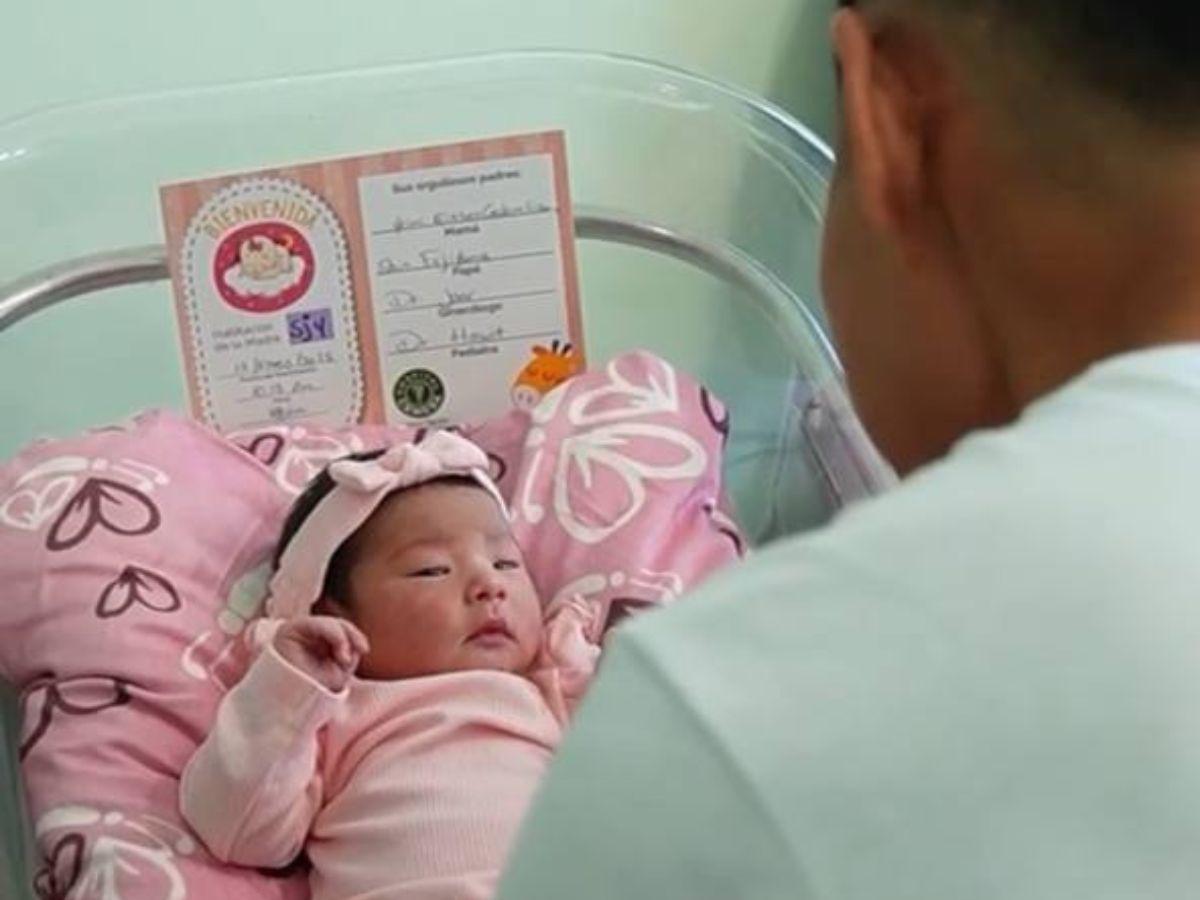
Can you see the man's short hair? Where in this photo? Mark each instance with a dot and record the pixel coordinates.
(1144, 56)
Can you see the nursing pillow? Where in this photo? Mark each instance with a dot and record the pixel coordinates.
(132, 558)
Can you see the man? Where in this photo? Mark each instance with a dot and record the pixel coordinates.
(985, 684)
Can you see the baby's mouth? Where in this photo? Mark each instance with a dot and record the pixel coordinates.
(492, 631)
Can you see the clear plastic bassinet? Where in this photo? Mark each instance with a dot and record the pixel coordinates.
(698, 212)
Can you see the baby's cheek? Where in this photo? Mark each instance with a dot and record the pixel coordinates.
(432, 612)
(442, 614)
(530, 614)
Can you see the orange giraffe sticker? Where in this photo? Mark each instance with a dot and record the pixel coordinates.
(549, 368)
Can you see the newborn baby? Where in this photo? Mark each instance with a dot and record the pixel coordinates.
(405, 703)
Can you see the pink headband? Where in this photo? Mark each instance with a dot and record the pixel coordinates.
(359, 488)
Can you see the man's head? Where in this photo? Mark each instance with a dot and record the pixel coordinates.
(1012, 176)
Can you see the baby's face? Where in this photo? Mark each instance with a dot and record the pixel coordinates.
(438, 585)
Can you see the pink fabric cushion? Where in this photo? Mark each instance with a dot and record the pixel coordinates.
(132, 558)
(123, 554)
(618, 500)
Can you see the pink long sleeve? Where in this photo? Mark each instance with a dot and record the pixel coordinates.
(253, 788)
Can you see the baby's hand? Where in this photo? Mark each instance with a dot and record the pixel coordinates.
(324, 647)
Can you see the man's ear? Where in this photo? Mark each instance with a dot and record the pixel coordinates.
(883, 122)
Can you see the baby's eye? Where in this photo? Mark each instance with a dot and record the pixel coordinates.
(430, 572)
(507, 564)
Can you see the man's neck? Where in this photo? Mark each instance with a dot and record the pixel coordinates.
(1098, 282)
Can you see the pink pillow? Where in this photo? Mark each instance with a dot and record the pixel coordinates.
(125, 554)
(133, 557)
(619, 499)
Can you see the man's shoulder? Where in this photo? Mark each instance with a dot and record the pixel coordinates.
(1065, 486)
(1016, 529)
(1099, 477)
(968, 511)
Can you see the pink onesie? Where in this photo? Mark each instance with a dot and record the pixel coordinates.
(396, 789)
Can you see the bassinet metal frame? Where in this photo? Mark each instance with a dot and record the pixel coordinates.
(86, 275)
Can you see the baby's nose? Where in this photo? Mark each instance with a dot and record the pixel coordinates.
(487, 588)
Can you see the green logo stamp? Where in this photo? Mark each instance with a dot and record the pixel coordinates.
(419, 393)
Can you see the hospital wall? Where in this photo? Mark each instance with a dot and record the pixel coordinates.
(54, 51)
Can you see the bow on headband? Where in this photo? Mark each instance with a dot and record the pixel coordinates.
(359, 487)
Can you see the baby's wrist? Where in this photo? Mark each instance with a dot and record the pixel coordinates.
(286, 646)
(303, 666)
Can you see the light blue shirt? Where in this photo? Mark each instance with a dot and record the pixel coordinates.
(983, 685)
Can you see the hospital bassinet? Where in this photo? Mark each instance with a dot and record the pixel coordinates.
(697, 211)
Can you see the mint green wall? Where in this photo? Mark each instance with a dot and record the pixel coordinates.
(56, 50)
